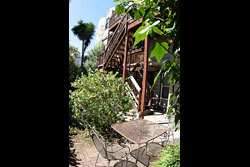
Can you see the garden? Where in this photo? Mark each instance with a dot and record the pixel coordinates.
(100, 99)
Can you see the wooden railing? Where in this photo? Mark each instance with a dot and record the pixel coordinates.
(113, 64)
(136, 89)
(149, 93)
(114, 40)
(114, 18)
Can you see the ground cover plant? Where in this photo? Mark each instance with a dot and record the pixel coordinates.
(169, 157)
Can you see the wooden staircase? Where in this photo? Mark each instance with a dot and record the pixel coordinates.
(116, 46)
(113, 60)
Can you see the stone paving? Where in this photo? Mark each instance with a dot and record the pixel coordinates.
(85, 154)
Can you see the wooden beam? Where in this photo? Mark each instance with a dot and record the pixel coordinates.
(108, 37)
(114, 24)
(125, 52)
(135, 23)
(144, 79)
(139, 101)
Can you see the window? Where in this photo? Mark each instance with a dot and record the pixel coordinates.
(107, 23)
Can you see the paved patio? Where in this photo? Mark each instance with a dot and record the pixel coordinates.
(84, 153)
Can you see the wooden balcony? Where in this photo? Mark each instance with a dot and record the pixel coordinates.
(135, 56)
(114, 19)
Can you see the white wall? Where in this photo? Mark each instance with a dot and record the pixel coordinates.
(101, 32)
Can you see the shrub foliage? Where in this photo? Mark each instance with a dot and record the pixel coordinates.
(170, 156)
(99, 100)
(91, 63)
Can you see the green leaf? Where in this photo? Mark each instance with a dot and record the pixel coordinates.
(137, 1)
(142, 32)
(149, 28)
(157, 30)
(137, 15)
(115, 0)
(177, 118)
(170, 29)
(138, 30)
(142, 11)
(163, 68)
(159, 50)
(119, 9)
(134, 13)
(151, 16)
(138, 36)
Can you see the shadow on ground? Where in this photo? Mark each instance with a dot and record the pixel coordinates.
(73, 161)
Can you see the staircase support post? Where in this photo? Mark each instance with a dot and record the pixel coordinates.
(125, 51)
(139, 100)
(144, 79)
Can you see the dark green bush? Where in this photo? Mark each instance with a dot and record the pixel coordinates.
(169, 157)
(99, 100)
(74, 69)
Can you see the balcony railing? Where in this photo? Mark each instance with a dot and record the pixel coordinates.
(114, 18)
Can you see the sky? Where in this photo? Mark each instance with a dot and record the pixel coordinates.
(88, 11)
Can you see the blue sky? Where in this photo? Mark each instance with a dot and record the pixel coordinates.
(88, 11)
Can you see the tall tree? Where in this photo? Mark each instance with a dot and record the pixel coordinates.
(85, 32)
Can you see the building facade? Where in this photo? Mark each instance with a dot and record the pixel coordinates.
(103, 28)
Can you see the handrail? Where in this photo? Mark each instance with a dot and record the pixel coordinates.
(148, 85)
(138, 88)
(108, 58)
(110, 49)
(114, 18)
(115, 36)
(135, 83)
(111, 39)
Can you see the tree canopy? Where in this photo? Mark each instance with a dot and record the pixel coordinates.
(84, 32)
